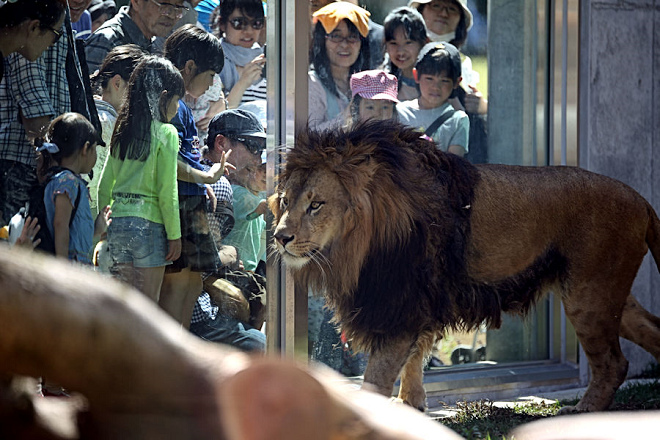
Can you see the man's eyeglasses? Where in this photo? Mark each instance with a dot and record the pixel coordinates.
(241, 23)
(338, 39)
(171, 10)
(58, 34)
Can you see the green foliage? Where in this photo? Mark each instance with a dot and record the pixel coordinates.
(483, 420)
(652, 371)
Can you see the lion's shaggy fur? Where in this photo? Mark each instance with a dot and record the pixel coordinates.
(406, 241)
(406, 232)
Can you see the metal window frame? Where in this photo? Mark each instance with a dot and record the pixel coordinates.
(287, 67)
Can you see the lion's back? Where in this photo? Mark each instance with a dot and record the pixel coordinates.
(525, 211)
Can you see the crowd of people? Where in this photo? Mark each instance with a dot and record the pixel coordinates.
(144, 127)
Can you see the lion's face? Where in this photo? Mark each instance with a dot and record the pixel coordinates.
(309, 211)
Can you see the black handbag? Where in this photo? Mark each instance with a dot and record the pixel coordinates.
(77, 75)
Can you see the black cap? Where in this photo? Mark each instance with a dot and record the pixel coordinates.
(454, 55)
(240, 125)
(98, 7)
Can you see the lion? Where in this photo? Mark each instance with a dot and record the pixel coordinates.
(407, 242)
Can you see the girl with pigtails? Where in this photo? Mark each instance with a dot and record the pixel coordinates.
(69, 150)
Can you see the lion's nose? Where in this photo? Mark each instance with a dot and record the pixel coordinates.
(283, 239)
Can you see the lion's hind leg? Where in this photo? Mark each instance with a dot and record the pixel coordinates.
(641, 327)
(412, 390)
(596, 324)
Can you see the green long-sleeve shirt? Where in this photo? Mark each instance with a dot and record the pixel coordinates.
(146, 189)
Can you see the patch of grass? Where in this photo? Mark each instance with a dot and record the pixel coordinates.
(652, 371)
(640, 396)
(632, 397)
(482, 420)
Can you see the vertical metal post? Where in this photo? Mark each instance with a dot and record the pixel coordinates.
(287, 65)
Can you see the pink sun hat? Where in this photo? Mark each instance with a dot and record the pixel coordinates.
(375, 84)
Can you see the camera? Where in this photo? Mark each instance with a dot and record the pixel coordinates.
(263, 69)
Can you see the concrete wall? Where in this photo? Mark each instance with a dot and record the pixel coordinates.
(620, 114)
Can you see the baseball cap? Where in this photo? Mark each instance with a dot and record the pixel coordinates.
(98, 7)
(454, 55)
(240, 125)
(375, 84)
(463, 3)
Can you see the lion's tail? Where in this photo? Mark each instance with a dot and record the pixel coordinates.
(653, 234)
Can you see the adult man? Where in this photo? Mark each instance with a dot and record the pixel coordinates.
(241, 132)
(138, 23)
(32, 93)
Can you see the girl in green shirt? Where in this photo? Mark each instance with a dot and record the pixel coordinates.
(139, 179)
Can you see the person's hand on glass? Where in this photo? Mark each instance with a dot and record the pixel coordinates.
(28, 234)
(221, 168)
(475, 102)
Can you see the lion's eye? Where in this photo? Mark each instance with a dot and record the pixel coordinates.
(315, 206)
(284, 202)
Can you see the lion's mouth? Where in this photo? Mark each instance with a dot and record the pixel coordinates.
(297, 261)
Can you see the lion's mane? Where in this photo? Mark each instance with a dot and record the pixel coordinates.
(400, 264)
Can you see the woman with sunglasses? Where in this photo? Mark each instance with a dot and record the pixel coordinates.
(29, 27)
(339, 49)
(238, 25)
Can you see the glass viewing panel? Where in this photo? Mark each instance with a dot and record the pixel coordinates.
(508, 48)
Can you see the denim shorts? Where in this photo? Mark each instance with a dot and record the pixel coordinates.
(137, 241)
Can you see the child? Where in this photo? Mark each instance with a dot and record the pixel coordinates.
(405, 35)
(199, 57)
(249, 209)
(139, 178)
(70, 152)
(111, 80)
(438, 73)
(374, 96)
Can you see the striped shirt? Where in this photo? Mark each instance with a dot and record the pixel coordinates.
(35, 89)
(255, 92)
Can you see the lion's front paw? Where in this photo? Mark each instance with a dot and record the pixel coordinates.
(415, 399)
(566, 410)
(399, 401)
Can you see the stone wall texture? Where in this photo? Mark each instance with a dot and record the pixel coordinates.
(620, 114)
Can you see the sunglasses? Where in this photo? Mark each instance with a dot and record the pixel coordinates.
(241, 23)
(253, 146)
(58, 34)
